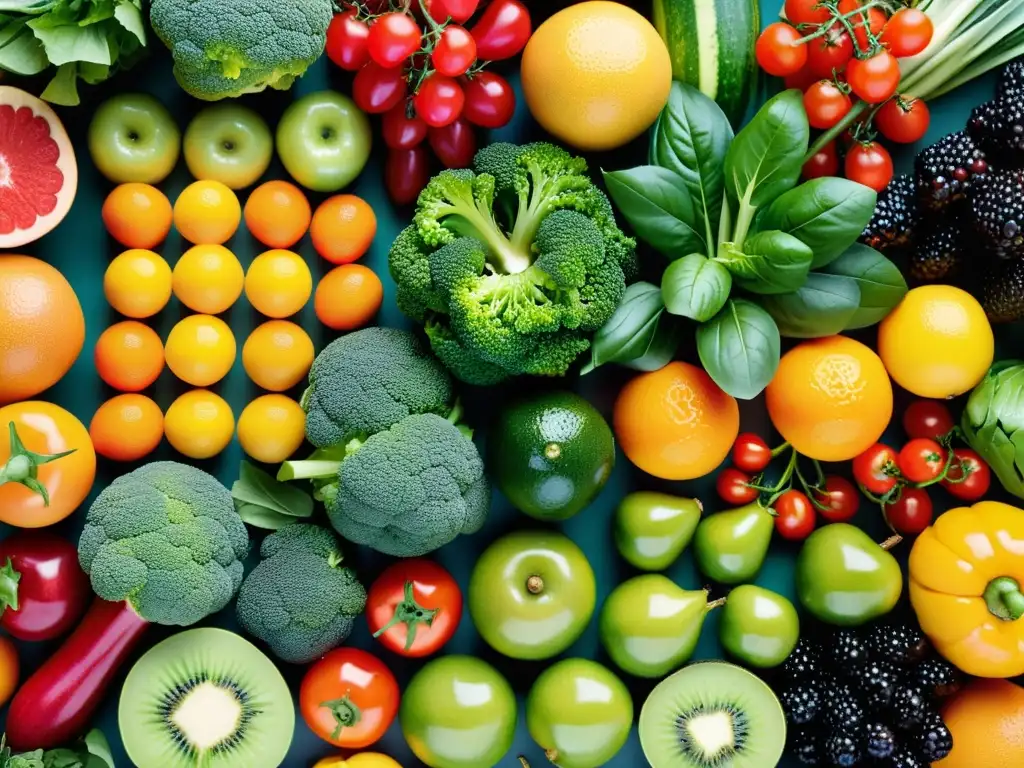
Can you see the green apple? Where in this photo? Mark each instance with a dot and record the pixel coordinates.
(133, 137)
(228, 143)
(324, 141)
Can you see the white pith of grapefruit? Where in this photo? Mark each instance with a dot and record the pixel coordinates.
(38, 171)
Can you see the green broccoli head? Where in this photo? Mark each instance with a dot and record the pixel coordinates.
(366, 381)
(409, 264)
(299, 600)
(465, 365)
(225, 48)
(167, 539)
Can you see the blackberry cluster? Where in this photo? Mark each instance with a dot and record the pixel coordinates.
(867, 697)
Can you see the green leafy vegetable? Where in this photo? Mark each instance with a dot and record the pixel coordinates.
(880, 281)
(740, 348)
(656, 203)
(696, 287)
(632, 329)
(266, 502)
(770, 262)
(93, 752)
(823, 306)
(993, 423)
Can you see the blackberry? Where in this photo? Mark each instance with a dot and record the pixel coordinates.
(1011, 81)
(939, 251)
(899, 644)
(842, 749)
(803, 664)
(846, 713)
(881, 741)
(892, 224)
(906, 759)
(801, 703)
(876, 681)
(848, 649)
(934, 741)
(997, 213)
(804, 743)
(938, 677)
(1001, 291)
(998, 128)
(945, 171)
(910, 707)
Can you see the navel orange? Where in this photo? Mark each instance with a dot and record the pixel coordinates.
(986, 720)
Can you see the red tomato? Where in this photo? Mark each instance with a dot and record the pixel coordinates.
(406, 173)
(921, 460)
(346, 41)
(908, 32)
(778, 51)
(455, 52)
(376, 90)
(911, 513)
(458, 11)
(807, 12)
(903, 121)
(394, 37)
(414, 607)
(794, 516)
(876, 79)
(401, 131)
(801, 80)
(875, 21)
(490, 100)
(876, 469)
(830, 53)
(927, 418)
(824, 162)
(870, 164)
(751, 453)
(841, 499)
(732, 486)
(826, 104)
(349, 698)
(969, 477)
(502, 31)
(439, 100)
(454, 144)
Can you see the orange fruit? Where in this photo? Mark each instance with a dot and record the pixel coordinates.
(937, 343)
(278, 283)
(271, 428)
(127, 428)
(207, 213)
(675, 423)
(277, 214)
(343, 228)
(278, 355)
(986, 720)
(137, 283)
(348, 297)
(42, 328)
(208, 279)
(200, 350)
(137, 215)
(199, 424)
(831, 398)
(9, 669)
(129, 356)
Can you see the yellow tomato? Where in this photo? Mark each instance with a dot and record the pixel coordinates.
(277, 355)
(200, 350)
(362, 760)
(208, 279)
(199, 424)
(271, 428)
(207, 212)
(138, 283)
(278, 283)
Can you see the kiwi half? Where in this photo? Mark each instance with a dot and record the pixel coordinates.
(712, 715)
(205, 698)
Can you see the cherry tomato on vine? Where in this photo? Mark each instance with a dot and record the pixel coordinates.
(927, 418)
(490, 100)
(826, 104)
(751, 453)
(876, 19)
(502, 30)
(778, 51)
(870, 164)
(876, 79)
(794, 516)
(903, 121)
(376, 90)
(921, 460)
(454, 144)
(824, 162)
(840, 497)
(401, 131)
(911, 513)
(394, 37)
(414, 607)
(908, 32)
(830, 53)
(459, 11)
(732, 487)
(439, 100)
(876, 469)
(807, 12)
(406, 173)
(978, 475)
(346, 41)
(455, 51)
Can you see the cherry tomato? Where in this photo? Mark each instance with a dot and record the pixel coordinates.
(502, 31)
(349, 698)
(376, 90)
(978, 475)
(876, 79)
(830, 53)
(927, 418)
(801, 80)
(794, 516)
(346, 41)
(9, 669)
(911, 513)
(406, 173)
(751, 453)
(459, 11)
(876, 19)
(454, 144)
(870, 164)
(732, 487)
(778, 51)
(414, 607)
(824, 162)
(876, 469)
(401, 131)
(490, 100)
(826, 104)
(394, 37)
(908, 32)
(807, 12)
(841, 499)
(439, 100)
(921, 460)
(903, 121)
(455, 52)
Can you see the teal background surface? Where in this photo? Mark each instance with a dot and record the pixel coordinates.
(81, 249)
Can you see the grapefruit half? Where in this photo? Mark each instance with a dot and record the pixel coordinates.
(38, 172)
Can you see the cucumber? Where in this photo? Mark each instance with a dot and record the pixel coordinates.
(711, 43)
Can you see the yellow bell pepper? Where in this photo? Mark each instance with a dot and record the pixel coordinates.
(967, 588)
(362, 760)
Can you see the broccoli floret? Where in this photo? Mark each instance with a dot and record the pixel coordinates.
(409, 264)
(225, 48)
(299, 600)
(366, 381)
(450, 264)
(167, 539)
(464, 365)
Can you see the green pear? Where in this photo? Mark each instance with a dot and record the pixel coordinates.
(652, 529)
(730, 547)
(844, 577)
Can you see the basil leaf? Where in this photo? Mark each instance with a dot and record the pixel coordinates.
(691, 137)
(881, 283)
(261, 517)
(98, 747)
(254, 487)
(629, 332)
(740, 348)
(827, 214)
(766, 157)
(657, 204)
(823, 306)
(696, 287)
(770, 262)
(662, 348)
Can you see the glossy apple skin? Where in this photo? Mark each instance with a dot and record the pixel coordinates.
(228, 143)
(730, 547)
(133, 137)
(652, 529)
(758, 626)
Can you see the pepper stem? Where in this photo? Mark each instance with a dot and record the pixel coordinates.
(346, 713)
(410, 613)
(23, 465)
(1004, 598)
(9, 579)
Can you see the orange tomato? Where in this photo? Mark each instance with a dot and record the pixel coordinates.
(137, 215)
(348, 297)
(277, 214)
(129, 356)
(61, 484)
(127, 428)
(343, 228)
(8, 669)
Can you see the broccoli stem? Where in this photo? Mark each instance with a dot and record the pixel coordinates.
(410, 613)
(318, 469)
(23, 465)
(345, 712)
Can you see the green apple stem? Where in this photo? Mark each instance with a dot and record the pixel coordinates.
(715, 604)
(524, 761)
(535, 585)
(1004, 598)
(891, 542)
